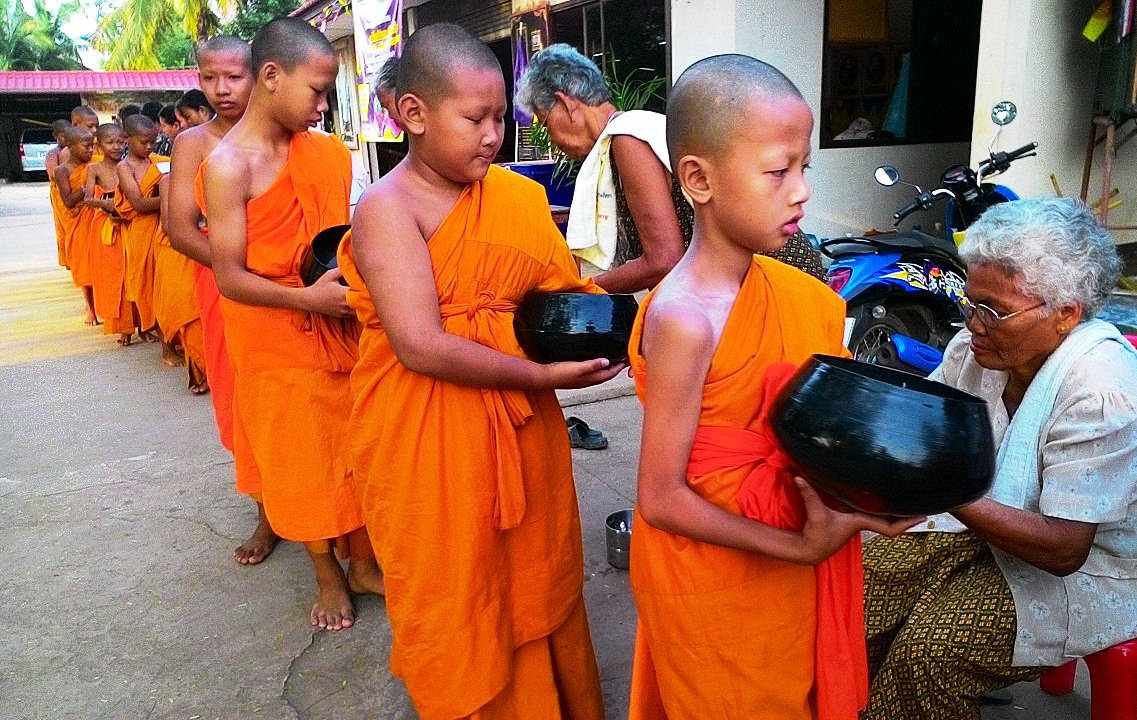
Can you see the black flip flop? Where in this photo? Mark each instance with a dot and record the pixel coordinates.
(582, 436)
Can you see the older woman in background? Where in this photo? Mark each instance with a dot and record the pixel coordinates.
(1044, 568)
(624, 164)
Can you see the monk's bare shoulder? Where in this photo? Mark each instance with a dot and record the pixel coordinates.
(677, 319)
(230, 167)
(392, 201)
(192, 146)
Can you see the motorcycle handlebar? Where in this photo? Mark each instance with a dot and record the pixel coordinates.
(906, 211)
(1000, 161)
(1021, 152)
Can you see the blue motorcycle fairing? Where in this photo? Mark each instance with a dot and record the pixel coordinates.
(1007, 193)
(872, 271)
(864, 269)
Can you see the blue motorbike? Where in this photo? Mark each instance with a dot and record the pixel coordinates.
(901, 287)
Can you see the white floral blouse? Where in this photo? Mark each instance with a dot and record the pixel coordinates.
(1089, 474)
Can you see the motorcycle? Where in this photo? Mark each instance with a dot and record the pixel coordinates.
(901, 287)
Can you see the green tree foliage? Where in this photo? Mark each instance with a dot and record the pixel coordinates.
(36, 41)
(252, 15)
(142, 34)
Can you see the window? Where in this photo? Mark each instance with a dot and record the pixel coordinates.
(898, 71)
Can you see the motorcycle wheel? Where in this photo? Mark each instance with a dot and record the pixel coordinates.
(871, 341)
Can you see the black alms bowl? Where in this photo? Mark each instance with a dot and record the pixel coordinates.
(321, 256)
(885, 441)
(560, 326)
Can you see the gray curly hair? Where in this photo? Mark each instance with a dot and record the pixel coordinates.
(560, 68)
(1055, 247)
(388, 74)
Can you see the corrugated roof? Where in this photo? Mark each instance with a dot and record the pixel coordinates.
(46, 82)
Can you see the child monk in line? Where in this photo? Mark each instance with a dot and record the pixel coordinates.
(225, 73)
(71, 179)
(269, 187)
(51, 162)
(458, 441)
(84, 117)
(138, 203)
(105, 226)
(735, 619)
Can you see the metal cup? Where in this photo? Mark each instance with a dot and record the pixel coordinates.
(618, 531)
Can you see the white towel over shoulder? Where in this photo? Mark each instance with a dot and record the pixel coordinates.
(592, 222)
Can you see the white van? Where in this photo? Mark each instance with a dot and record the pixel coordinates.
(35, 144)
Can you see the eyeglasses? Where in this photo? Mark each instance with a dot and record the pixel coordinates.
(988, 317)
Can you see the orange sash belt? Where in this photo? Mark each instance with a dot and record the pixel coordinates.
(507, 410)
(768, 495)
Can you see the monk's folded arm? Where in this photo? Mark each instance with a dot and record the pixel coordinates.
(395, 264)
(227, 240)
(70, 197)
(647, 186)
(1055, 545)
(183, 214)
(678, 344)
(133, 193)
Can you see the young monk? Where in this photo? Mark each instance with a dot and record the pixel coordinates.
(488, 615)
(735, 619)
(71, 179)
(138, 203)
(83, 116)
(105, 226)
(51, 162)
(225, 72)
(269, 187)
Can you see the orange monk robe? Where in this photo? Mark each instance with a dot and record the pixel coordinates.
(292, 391)
(80, 240)
(468, 493)
(139, 237)
(58, 210)
(219, 370)
(725, 633)
(109, 262)
(175, 304)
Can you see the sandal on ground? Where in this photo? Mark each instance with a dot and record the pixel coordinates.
(582, 436)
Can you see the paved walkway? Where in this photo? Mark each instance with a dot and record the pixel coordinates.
(118, 518)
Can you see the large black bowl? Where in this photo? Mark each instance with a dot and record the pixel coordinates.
(321, 256)
(885, 441)
(555, 327)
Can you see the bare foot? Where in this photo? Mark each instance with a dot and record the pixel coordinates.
(200, 388)
(333, 609)
(260, 544)
(364, 576)
(124, 339)
(171, 357)
(147, 336)
(91, 319)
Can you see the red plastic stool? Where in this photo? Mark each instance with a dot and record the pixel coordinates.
(1113, 681)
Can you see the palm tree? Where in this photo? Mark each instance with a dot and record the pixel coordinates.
(36, 41)
(130, 34)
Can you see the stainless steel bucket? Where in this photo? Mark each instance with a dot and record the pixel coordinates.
(618, 531)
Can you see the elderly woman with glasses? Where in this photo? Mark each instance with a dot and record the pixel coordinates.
(1044, 568)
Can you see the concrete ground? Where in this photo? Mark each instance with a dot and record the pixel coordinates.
(118, 515)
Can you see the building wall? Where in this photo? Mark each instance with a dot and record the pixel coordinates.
(790, 36)
(1051, 79)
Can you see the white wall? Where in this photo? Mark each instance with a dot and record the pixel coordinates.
(789, 36)
(1051, 79)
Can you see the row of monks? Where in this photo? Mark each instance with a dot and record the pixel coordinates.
(387, 414)
(106, 204)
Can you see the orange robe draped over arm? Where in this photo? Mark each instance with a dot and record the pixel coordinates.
(725, 633)
(175, 303)
(80, 240)
(292, 391)
(219, 370)
(58, 210)
(467, 492)
(138, 239)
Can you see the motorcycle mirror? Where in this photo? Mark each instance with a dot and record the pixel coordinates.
(1003, 113)
(887, 175)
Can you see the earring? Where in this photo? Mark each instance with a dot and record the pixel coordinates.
(1061, 329)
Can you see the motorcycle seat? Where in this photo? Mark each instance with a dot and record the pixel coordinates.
(914, 240)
